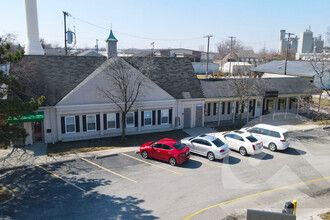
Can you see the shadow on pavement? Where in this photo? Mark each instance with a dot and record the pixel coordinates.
(292, 151)
(262, 156)
(191, 164)
(231, 160)
(43, 196)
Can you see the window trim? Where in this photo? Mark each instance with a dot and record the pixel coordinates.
(108, 121)
(168, 116)
(133, 124)
(144, 118)
(87, 123)
(74, 122)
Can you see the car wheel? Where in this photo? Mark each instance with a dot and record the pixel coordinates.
(210, 156)
(242, 151)
(272, 147)
(172, 161)
(144, 154)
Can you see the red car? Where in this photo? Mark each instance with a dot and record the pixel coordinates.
(167, 150)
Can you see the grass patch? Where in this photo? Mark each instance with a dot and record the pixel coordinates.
(325, 216)
(324, 104)
(323, 122)
(62, 148)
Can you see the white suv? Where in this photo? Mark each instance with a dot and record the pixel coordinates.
(275, 138)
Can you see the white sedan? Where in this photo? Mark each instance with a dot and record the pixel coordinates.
(240, 141)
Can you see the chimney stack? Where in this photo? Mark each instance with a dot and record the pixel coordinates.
(33, 46)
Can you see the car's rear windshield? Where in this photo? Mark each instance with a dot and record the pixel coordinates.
(179, 146)
(218, 142)
(286, 135)
(251, 139)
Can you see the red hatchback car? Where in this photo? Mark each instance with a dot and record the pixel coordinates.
(167, 150)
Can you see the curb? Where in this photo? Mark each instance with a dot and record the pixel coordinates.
(11, 198)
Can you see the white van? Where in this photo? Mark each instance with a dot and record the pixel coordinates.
(275, 138)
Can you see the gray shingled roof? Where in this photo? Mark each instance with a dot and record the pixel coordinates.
(224, 88)
(58, 75)
(296, 68)
(174, 75)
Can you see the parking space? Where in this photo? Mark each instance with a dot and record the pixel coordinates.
(148, 188)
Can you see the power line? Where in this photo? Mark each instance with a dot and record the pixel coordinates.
(135, 36)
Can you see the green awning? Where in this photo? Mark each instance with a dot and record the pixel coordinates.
(27, 118)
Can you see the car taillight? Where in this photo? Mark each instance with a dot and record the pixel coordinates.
(221, 151)
(254, 147)
(283, 140)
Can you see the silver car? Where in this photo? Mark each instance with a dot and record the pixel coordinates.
(207, 145)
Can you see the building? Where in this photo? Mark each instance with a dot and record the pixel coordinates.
(171, 98)
(299, 69)
(293, 43)
(309, 44)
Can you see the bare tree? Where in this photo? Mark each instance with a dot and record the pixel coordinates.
(244, 86)
(224, 47)
(125, 84)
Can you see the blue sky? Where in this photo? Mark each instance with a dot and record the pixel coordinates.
(170, 23)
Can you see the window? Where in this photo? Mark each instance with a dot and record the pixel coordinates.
(275, 134)
(164, 117)
(70, 124)
(228, 108)
(148, 118)
(215, 108)
(237, 137)
(281, 104)
(179, 146)
(223, 107)
(111, 121)
(292, 103)
(254, 130)
(264, 131)
(166, 147)
(130, 120)
(91, 122)
(205, 142)
(251, 139)
(158, 146)
(197, 141)
(218, 142)
(270, 105)
(207, 109)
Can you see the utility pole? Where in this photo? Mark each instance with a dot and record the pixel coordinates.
(207, 54)
(65, 14)
(97, 46)
(287, 51)
(231, 49)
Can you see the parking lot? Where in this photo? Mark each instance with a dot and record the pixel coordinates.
(126, 186)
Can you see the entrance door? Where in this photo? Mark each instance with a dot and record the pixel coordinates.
(187, 118)
(269, 106)
(199, 116)
(37, 130)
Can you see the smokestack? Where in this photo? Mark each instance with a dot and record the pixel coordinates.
(33, 46)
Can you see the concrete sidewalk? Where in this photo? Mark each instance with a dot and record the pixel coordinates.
(36, 154)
